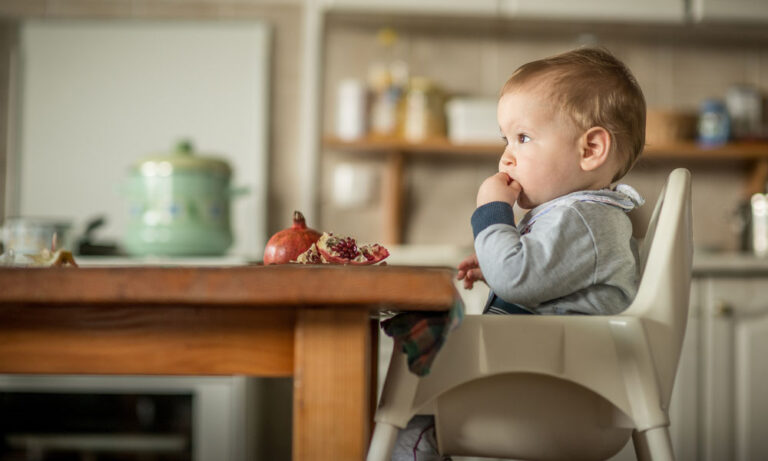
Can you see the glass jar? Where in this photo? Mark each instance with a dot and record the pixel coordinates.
(714, 124)
(422, 111)
(385, 100)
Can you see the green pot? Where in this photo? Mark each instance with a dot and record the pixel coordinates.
(179, 205)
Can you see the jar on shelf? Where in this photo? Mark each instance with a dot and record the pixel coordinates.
(387, 80)
(714, 124)
(384, 101)
(422, 111)
(745, 109)
(351, 110)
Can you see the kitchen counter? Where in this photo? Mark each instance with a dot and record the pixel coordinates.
(704, 261)
(132, 261)
(310, 322)
(728, 263)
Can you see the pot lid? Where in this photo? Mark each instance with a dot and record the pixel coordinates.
(183, 158)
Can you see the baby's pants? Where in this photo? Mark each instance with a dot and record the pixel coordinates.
(417, 442)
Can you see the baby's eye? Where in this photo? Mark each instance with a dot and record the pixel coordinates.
(522, 138)
(506, 141)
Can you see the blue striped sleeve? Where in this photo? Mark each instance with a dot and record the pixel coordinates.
(492, 213)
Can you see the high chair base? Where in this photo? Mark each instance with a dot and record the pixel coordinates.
(653, 444)
(382, 442)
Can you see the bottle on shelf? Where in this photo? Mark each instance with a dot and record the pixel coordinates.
(422, 115)
(387, 81)
(351, 108)
(744, 104)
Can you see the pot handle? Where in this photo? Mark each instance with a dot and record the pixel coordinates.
(239, 191)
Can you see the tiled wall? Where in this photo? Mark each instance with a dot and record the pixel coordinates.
(676, 70)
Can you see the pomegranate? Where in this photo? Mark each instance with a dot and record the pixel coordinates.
(338, 249)
(311, 256)
(287, 244)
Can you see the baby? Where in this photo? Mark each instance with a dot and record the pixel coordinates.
(574, 124)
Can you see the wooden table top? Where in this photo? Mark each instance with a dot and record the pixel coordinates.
(377, 287)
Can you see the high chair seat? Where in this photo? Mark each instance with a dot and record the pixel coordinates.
(560, 387)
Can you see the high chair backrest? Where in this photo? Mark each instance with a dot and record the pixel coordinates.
(666, 256)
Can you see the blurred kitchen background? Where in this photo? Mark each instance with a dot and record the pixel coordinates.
(376, 119)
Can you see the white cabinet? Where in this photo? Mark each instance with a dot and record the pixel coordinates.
(658, 11)
(684, 412)
(432, 7)
(719, 406)
(596, 10)
(729, 10)
(735, 370)
(591, 10)
(751, 405)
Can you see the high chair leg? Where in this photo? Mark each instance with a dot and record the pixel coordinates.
(653, 444)
(382, 442)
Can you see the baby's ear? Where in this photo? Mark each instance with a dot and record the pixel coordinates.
(594, 147)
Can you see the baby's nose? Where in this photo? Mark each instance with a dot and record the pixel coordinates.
(508, 159)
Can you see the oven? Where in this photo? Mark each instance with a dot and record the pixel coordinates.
(122, 418)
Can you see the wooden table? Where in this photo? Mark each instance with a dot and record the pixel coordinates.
(315, 323)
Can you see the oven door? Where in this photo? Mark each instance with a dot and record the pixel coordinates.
(100, 418)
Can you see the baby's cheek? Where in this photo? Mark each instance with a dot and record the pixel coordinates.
(523, 201)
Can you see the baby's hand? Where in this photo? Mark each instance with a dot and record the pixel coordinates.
(498, 188)
(469, 271)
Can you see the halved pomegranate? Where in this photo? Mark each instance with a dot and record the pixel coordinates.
(344, 250)
(311, 256)
(337, 249)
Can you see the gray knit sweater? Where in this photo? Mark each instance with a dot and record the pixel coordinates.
(572, 255)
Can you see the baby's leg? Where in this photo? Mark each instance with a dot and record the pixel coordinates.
(498, 306)
(417, 441)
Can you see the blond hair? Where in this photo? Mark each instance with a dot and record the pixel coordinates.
(594, 89)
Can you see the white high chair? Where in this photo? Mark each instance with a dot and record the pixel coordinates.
(560, 387)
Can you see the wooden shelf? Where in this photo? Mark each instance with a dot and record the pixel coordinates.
(691, 150)
(396, 150)
(431, 147)
(680, 150)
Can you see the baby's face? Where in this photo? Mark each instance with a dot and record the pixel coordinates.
(542, 147)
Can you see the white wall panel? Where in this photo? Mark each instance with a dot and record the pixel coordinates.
(96, 96)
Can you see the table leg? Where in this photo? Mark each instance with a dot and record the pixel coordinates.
(373, 384)
(331, 394)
